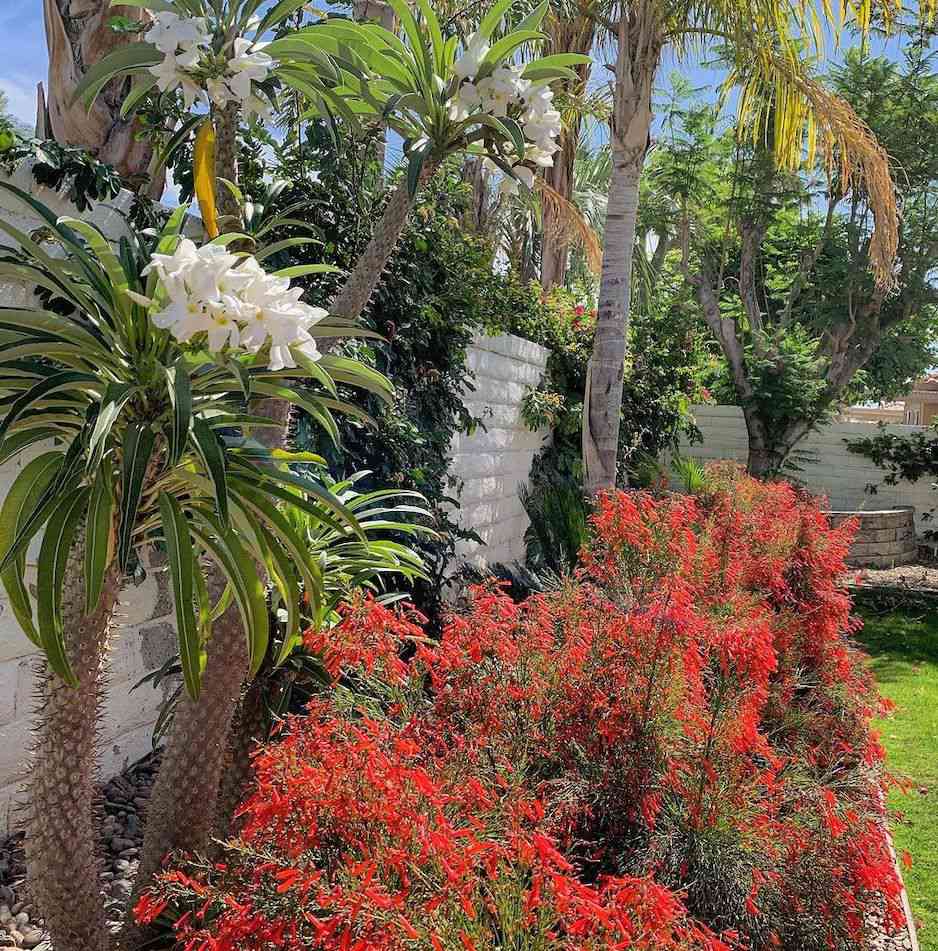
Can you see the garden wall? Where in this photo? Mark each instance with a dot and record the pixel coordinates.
(827, 467)
(496, 459)
(146, 635)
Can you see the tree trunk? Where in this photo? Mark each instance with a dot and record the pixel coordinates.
(226, 122)
(764, 462)
(349, 303)
(251, 726)
(357, 290)
(185, 796)
(636, 64)
(77, 37)
(62, 845)
(555, 249)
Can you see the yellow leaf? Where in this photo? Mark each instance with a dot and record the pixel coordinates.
(203, 170)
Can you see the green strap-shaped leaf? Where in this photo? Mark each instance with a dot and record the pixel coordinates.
(115, 398)
(281, 570)
(243, 576)
(308, 487)
(99, 537)
(494, 16)
(213, 457)
(53, 558)
(138, 447)
(19, 504)
(124, 58)
(183, 570)
(66, 380)
(280, 529)
(180, 395)
(17, 442)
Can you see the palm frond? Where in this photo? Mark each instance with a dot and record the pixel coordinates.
(572, 224)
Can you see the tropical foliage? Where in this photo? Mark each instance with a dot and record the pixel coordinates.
(137, 415)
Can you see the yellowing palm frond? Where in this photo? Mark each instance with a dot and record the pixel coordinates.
(571, 223)
(782, 104)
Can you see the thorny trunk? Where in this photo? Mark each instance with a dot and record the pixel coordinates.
(226, 164)
(349, 303)
(357, 290)
(185, 796)
(77, 37)
(639, 47)
(251, 726)
(62, 847)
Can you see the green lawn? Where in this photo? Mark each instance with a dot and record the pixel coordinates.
(903, 646)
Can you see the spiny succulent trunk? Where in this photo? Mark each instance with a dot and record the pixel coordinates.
(357, 290)
(251, 726)
(185, 796)
(226, 121)
(62, 845)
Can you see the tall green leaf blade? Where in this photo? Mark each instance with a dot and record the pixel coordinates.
(180, 395)
(183, 569)
(138, 448)
(53, 559)
(213, 457)
(246, 584)
(20, 502)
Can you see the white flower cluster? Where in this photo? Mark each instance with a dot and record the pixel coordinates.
(190, 64)
(500, 91)
(234, 302)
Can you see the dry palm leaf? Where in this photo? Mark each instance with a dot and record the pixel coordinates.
(571, 223)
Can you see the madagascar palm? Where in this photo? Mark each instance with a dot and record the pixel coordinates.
(411, 84)
(139, 458)
(767, 40)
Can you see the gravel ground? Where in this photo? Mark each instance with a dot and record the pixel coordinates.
(124, 801)
(910, 577)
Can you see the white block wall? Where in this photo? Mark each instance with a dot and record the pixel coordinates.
(497, 457)
(829, 469)
(145, 636)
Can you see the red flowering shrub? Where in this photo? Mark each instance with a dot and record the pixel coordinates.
(673, 752)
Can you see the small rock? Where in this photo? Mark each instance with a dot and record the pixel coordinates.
(130, 853)
(119, 844)
(16, 937)
(32, 938)
(18, 907)
(21, 919)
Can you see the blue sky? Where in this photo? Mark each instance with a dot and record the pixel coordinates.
(23, 57)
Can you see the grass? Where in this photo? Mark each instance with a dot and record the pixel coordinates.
(903, 647)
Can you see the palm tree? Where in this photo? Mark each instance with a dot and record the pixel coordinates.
(766, 41)
(569, 30)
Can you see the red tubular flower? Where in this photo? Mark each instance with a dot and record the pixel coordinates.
(672, 752)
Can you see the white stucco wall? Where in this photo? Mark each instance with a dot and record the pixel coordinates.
(497, 457)
(144, 636)
(829, 469)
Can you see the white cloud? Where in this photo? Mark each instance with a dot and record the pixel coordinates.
(20, 91)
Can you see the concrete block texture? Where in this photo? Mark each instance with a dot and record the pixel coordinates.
(493, 462)
(828, 469)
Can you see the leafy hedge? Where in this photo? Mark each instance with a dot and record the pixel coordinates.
(672, 751)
